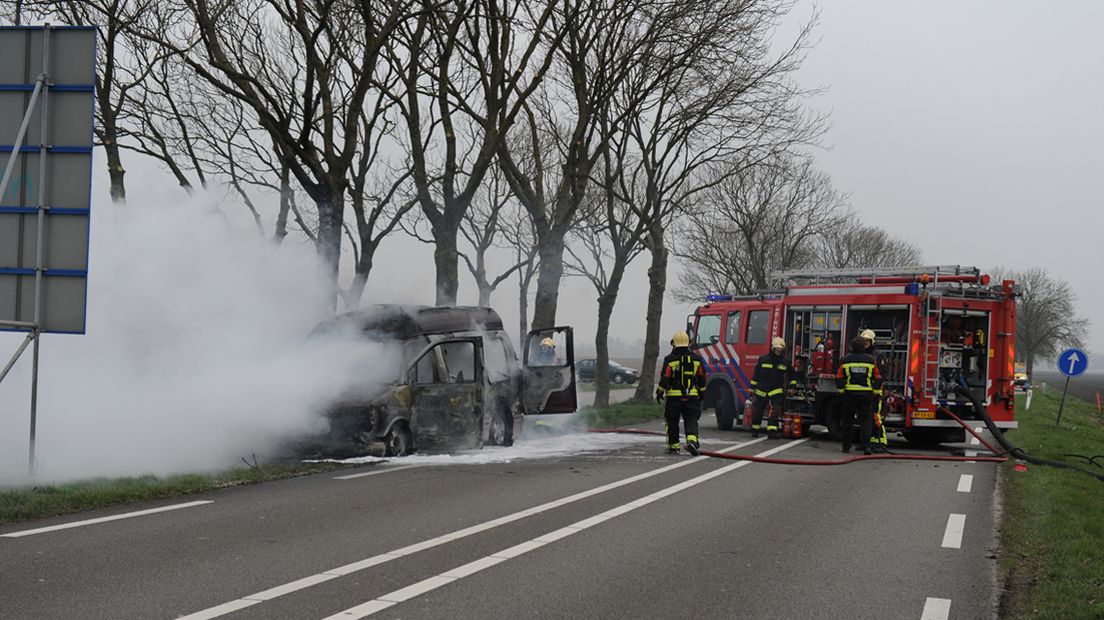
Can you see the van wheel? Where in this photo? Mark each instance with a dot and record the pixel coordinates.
(725, 408)
(400, 441)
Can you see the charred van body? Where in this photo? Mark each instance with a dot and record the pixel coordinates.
(459, 384)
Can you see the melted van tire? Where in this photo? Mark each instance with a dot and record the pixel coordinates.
(400, 441)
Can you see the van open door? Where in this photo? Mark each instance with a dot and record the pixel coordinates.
(549, 381)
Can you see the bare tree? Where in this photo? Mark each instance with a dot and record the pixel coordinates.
(119, 72)
(854, 244)
(305, 70)
(494, 221)
(466, 68)
(767, 217)
(1046, 315)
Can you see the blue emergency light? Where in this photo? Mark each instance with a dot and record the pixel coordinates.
(912, 288)
(712, 298)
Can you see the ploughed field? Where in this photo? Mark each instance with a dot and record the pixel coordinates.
(1084, 387)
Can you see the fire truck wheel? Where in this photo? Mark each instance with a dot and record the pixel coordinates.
(924, 437)
(833, 419)
(725, 408)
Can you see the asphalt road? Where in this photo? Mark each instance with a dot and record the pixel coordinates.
(571, 525)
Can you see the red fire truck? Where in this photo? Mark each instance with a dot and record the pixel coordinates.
(936, 327)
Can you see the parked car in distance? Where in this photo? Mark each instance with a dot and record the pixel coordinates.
(587, 368)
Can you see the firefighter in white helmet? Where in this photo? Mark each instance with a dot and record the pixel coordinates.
(682, 384)
(773, 374)
(878, 440)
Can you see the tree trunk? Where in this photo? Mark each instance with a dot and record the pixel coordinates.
(606, 302)
(115, 172)
(446, 259)
(331, 212)
(657, 286)
(549, 274)
(360, 280)
(524, 277)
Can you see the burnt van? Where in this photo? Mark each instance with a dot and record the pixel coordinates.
(457, 381)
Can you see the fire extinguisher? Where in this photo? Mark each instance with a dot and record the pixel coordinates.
(747, 413)
(796, 433)
(787, 425)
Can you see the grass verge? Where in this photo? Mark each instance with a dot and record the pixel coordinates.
(26, 503)
(621, 414)
(1052, 560)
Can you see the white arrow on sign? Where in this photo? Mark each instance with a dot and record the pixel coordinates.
(1073, 359)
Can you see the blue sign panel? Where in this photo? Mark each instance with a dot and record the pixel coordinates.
(1073, 362)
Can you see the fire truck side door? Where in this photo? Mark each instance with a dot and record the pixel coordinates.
(549, 378)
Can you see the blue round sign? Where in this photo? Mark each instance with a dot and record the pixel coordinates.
(1073, 362)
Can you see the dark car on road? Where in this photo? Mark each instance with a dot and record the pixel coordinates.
(587, 369)
(456, 379)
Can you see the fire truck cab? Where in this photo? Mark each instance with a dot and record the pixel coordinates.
(936, 327)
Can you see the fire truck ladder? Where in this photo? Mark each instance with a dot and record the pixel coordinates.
(827, 276)
(933, 335)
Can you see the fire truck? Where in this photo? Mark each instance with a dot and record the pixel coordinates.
(936, 327)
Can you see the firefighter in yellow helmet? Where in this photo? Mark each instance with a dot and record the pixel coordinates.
(682, 384)
(545, 355)
(773, 373)
(878, 440)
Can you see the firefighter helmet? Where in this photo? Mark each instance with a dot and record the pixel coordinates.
(680, 339)
(778, 343)
(867, 334)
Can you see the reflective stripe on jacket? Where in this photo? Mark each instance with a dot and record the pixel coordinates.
(858, 372)
(683, 374)
(772, 374)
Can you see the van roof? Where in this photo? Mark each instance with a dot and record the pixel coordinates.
(400, 322)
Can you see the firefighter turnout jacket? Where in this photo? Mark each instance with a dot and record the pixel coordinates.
(858, 374)
(683, 374)
(772, 375)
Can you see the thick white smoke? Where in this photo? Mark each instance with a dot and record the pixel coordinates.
(195, 354)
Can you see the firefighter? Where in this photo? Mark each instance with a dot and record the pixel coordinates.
(681, 382)
(878, 439)
(857, 378)
(546, 354)
(771, 377)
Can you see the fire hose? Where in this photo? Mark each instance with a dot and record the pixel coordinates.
(998, 456)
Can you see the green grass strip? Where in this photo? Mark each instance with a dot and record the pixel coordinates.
(35, 502)
(621, 414)
(1052, 528)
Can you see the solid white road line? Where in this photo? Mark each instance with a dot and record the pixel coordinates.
(376, 472)
(952, 536)
(965, 483)
(340, 571)
(445, 578)
(936, 609)
(127, 515)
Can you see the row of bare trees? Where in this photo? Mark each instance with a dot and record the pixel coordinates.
(572, 135)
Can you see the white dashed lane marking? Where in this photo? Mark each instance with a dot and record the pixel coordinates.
(965, 483)
(376, 472)
(952, 536)
(936, 609)
(126, 515)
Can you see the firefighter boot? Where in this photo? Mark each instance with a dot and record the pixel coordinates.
(754, 431)
(672, 448)
(846, 446)
(692, 445)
